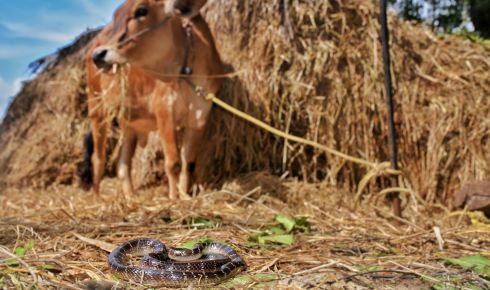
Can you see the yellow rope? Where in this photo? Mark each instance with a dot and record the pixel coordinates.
(377, 167)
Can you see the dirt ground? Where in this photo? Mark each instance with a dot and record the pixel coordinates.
(60, 237)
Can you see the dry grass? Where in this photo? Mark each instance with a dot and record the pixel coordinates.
(345, 248)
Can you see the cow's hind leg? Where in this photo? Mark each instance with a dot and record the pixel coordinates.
(86, 174)
(128, 149)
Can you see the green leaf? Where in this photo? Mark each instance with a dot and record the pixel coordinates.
(30, 245)
(480, 264)
(190, 244)
(277, 239)
(203, 221)
(287, 222)
(277, 231)
(447, 286)
(471, 286)
(303, 224)
(369, 268)
(260, 281)
(200, 222)
(51, 267)
(444, 286)
(20, 251)
(255, 237)
(13, 263)
(394, 251)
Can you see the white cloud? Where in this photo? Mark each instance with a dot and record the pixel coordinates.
(92, 9)
(99, 12)
(24, 30)
(9, 89)
(15, 51)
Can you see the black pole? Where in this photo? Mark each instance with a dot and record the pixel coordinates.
(385, 39)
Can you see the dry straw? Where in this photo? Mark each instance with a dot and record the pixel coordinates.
(325, 84)
(71, 232)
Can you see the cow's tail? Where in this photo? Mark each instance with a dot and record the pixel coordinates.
(87, 180)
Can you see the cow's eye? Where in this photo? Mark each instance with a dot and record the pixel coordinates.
(142, 11)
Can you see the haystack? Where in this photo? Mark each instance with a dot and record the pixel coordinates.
(310, 68)
(40, 136)
(315, 70)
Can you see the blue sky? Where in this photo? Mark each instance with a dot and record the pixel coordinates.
(30, 29)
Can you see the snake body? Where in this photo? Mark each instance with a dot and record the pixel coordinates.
(205, 264)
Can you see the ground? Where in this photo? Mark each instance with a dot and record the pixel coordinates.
(59, 237)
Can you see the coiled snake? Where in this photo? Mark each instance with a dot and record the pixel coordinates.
(204, 264)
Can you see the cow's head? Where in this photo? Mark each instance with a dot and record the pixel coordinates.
(145, 33)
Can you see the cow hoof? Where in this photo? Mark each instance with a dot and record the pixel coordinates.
(184, 196)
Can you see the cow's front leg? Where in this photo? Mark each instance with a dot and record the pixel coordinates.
(192, 143)
(128, 149)
(171, 153)
(99, 134)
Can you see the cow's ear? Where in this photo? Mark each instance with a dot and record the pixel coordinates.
(186, 8)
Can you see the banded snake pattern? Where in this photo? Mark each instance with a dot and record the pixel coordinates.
(205, 264)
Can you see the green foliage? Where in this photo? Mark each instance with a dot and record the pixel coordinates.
(409, 9)
(479, 12)
(447, 15)
(203, 222)
(20, 251)
(447, 286)
(450, 16)
(473, 36)
(287, 223)
(303, 225)
(444, 286)
(51, 267)
(480, 264)
(259, 280)
(282, 233)
(190, 244)
(369, 268)
(287, 240)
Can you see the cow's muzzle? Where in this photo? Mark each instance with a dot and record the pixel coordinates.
(104, 58)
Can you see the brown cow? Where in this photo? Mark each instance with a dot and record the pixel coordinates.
(171, 56)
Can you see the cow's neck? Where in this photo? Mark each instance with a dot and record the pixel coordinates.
(197, 52)
(200, 56)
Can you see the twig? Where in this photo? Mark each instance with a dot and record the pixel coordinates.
(286, 20)
(416, 273)
(269, 265)
(440, 241)
(315, 269)
(379, 271)
(467, 247)
(247, 196)
(401, 219)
